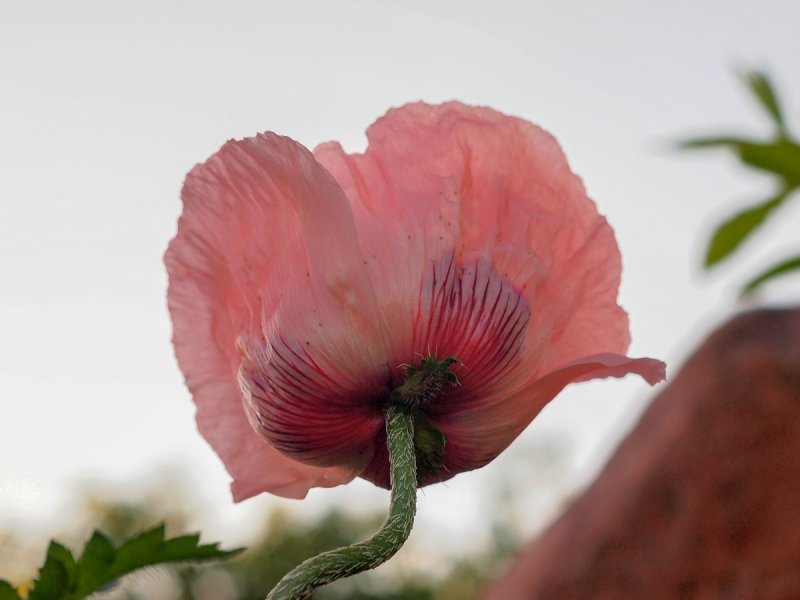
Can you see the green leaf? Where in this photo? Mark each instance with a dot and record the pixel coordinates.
(762, 89)
(7, 591)
(731, 233)
(778, 270)
(63, 578)
(98, 556)
(57, 575)
(137, 551)
(781, 157)
(713, 142)
(149, 548)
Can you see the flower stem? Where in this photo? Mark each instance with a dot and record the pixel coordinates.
(343, 562)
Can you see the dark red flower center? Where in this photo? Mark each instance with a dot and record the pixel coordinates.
(317, 416)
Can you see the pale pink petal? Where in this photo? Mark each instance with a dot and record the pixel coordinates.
(438, 180)
(480, 432)
(451, 200)
(460, 231)
(266, 249)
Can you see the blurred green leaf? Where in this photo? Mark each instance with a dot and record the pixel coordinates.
(713, 142)
(778, 270)
(7, 591)
(762, 89)
(63, 578)
(781, 157)
(731, 233)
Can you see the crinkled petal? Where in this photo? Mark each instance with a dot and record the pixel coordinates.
(457, 186)
(490, 188)
(477, 435)
(266, 248)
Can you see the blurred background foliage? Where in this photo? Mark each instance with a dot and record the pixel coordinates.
(777, 155)
(517, 500)
(282, 541)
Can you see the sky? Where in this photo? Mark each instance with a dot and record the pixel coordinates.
(105, 106)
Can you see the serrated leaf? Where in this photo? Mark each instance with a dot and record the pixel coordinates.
(150, 548)
(97, 556)
(63, 578)
(137, 549)
(778, 270)
(762, 89)
(57, 575)
(7, 591)
(731, 233)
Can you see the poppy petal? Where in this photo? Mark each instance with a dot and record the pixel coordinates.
(266, 242)
(477, 435)
(445, 179)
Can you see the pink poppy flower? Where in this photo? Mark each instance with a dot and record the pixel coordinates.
(301, 284)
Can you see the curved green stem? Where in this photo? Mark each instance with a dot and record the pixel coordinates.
(343, 562)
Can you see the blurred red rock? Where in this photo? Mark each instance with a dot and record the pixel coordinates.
(702, 499)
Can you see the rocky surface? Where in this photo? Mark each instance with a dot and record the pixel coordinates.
(702, 499)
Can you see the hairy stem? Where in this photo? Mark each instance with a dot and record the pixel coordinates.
(343, 562)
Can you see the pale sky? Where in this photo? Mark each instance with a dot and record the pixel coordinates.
(105, 106)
